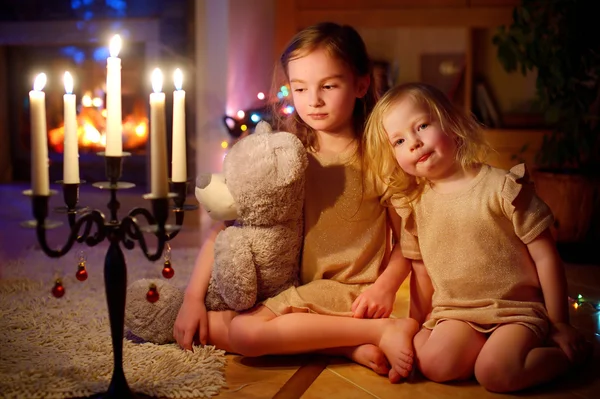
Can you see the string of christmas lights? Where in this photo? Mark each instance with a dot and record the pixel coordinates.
(244, 121)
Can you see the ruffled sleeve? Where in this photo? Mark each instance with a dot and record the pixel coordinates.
(409, 241)
(530, 215)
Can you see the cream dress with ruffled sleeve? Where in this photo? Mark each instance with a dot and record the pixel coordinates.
(474, 246)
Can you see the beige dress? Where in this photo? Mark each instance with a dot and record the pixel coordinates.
(345, 239)
(474, 246)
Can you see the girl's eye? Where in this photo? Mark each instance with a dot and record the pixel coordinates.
(422, 126)
(328, 87)
(298, 90)
(399, 142)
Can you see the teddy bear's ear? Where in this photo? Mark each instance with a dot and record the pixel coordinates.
(263, 127)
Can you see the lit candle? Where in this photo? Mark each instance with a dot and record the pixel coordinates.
(39, 140)
(179, 161)
(71, 154)
(158, 139)
(114, 140)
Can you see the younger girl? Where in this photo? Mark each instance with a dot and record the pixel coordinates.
(347, 267)
(483, 235)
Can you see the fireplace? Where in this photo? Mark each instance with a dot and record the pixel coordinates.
(54, 47)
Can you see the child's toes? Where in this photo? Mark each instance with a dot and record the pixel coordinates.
(394, 376)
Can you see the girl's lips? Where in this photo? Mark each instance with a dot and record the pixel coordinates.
(424, 158)
(318, 116)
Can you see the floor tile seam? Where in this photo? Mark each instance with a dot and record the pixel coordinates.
(353, 383)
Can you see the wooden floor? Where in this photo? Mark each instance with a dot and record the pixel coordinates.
(315, 376)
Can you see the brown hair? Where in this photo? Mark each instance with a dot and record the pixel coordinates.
(380, 160)
(345, 44)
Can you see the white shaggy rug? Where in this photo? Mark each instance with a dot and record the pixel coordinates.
(61, 347)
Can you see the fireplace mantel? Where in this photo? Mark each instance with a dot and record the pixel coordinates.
(73, 32)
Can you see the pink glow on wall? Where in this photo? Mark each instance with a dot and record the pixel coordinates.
(250, 53)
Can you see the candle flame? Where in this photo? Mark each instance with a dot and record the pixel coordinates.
(40, 82)
(178, 79)
(115, 46)
(68, 79)
(157, 80)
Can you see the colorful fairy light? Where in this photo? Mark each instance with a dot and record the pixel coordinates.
(580, 302)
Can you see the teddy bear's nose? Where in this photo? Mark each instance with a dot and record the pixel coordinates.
(203, 180)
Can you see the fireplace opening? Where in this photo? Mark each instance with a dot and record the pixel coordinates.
(87, 64)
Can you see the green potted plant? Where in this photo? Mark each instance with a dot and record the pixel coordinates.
(560, 40)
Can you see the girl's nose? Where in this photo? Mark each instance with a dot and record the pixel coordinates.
(416, 144)
(315, 100)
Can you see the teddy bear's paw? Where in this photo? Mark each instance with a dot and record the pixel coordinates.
(152, 322)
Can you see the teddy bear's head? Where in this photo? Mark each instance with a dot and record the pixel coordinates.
(263, 176)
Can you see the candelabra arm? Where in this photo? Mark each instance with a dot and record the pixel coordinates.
(144, 212)
(178, 222)
(132, 229)
(89, 219)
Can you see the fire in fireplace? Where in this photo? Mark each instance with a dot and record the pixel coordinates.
(91, 124)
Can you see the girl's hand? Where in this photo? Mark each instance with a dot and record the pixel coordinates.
(191, 319)
(373, 303)
(571, 341)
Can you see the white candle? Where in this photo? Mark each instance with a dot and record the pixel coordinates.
(71, 154)
(178, 161)
(114, 140)
(39, 140)
(158, 138)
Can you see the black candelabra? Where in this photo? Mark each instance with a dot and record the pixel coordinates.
(91, 227)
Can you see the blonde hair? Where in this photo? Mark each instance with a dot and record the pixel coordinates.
(380, 161)
(343, 43)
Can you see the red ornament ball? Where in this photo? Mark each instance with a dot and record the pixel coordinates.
(152, 295)
(81, 274)
(168, 271)
(58, 290)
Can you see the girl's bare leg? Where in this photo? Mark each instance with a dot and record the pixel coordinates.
(512, 359)
(449, 352)
(259, 332)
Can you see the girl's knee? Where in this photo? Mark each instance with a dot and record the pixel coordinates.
(437, 366)
(495, 376)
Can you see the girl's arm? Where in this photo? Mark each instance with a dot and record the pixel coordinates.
(192, 317)
(421, 292)
(198, 283)
(378, 300)
(552, 277)
(553, 282)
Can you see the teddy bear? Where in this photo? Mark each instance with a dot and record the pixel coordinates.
(258, 256)
(261, 193)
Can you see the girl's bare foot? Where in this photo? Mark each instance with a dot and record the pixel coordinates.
(370, 356)
(396, 344)
(366, 355)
